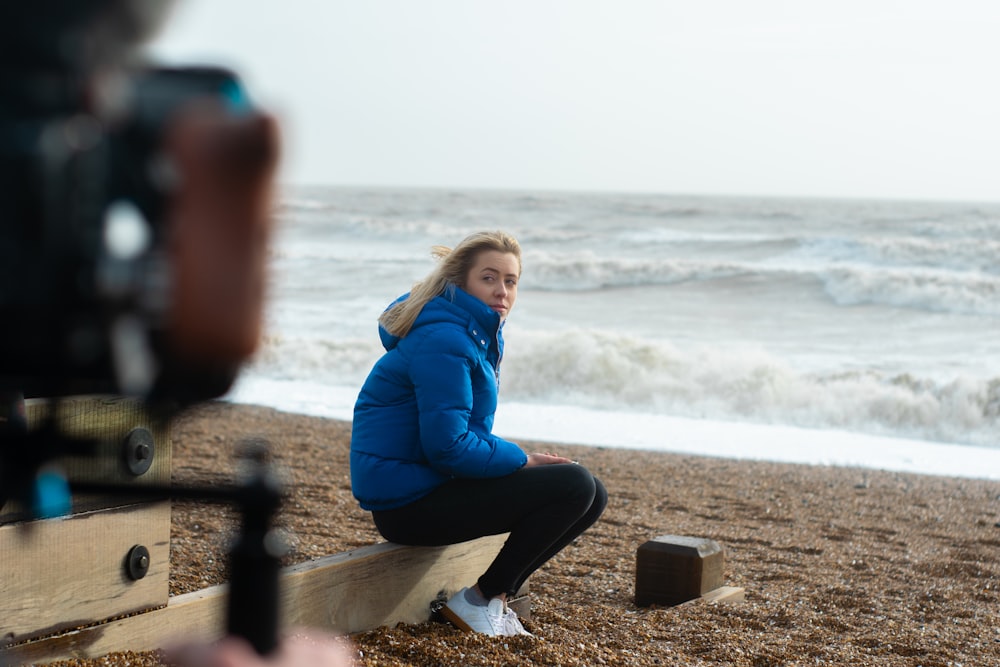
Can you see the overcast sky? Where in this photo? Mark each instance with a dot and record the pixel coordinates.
(843, 98)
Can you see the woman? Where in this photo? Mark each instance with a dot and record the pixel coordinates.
(424, 459)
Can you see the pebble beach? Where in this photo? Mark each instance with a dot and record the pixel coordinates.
(840, 565)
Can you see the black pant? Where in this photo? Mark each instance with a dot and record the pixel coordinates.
(544, 508)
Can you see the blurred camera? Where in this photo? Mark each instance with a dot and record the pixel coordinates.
(135, 215)
(92, 256)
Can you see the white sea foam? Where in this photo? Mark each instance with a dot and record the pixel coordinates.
(624, 430)
(607, 371)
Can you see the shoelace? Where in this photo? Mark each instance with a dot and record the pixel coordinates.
(496, 614)
(512, 624)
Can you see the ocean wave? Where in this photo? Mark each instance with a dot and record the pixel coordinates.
(669, 235)
(406, 227)
(291, 204)
(349, 254)
(600, 370)
(585, 271)
(334, 361)
(933, 290)
(930, 289)
(961, 253)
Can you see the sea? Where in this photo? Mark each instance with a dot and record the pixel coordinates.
(819, 331)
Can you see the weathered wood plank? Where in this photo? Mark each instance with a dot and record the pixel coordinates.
(198, 616)
(382, 584)
(358, 590)
(724, 594)
(63, 573)
(109, 420)
(720, 595)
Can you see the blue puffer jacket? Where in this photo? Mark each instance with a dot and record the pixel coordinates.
(425, 413)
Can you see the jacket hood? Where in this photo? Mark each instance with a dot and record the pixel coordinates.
(389, 341)
(456, 305)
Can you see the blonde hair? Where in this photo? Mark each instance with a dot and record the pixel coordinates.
(453, 269)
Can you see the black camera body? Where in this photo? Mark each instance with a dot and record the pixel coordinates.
(84, 283)
(104, 255)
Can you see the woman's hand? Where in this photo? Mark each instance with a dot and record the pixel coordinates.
(546, 458)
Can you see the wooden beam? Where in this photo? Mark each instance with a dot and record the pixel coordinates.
(198, 616)
(63, 573)
(382, 584)
(109, 420)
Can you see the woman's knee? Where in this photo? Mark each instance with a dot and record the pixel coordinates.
(600, 497)
(581, 482)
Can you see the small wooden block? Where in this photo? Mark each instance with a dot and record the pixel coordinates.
(671, 569)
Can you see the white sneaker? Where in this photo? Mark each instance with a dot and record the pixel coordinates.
(489, 619)
(512, 624)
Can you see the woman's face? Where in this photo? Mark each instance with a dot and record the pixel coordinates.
(493, 280)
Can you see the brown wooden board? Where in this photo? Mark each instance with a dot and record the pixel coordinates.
(382, 584)
(109, 420)
(724, 594)
(65, 573)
